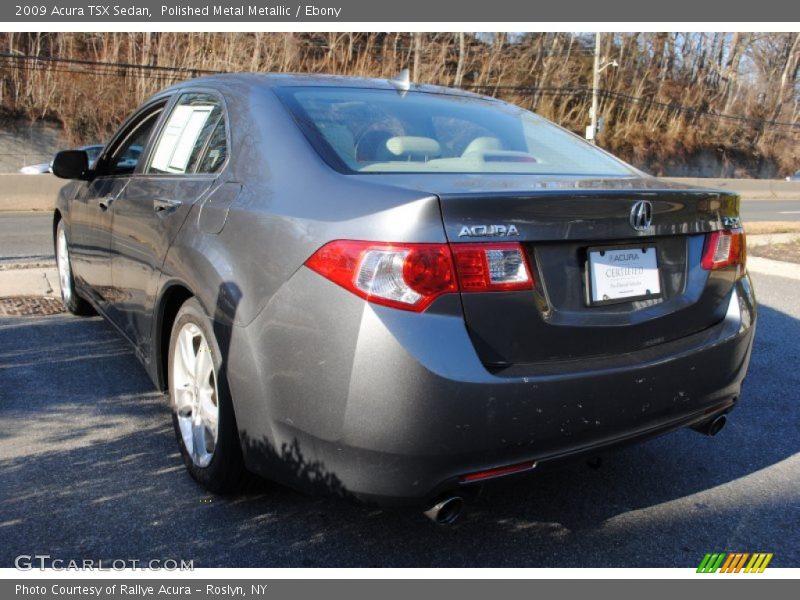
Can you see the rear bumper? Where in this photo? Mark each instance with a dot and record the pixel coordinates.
(351, 398)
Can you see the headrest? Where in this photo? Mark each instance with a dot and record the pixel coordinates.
(483, 144)
(413, 146)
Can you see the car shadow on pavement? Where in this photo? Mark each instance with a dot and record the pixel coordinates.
(90, 469)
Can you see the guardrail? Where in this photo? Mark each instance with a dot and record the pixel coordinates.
(38, 192)
(29, 192)
(748, 189)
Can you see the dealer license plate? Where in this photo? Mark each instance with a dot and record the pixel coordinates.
(623, 274)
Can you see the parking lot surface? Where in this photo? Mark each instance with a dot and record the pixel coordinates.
(90, 469)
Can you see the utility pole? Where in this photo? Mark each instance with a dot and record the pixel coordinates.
(596, 122)
(591, 134)
(415, 71)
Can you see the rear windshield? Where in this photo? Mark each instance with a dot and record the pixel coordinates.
(384, 131)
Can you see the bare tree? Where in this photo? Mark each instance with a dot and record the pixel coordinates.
(661, 105)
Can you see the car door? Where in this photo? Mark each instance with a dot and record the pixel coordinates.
(90, 235)
(92, 213)
(182, 167)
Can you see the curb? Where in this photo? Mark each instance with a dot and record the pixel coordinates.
(767, 239)
(777, 268)
(36, 281)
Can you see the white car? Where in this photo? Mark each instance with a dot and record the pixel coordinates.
(92, 150)
(37, 169)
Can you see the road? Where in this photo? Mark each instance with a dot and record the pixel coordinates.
(771, 210)
(28, 235)
(90, 469)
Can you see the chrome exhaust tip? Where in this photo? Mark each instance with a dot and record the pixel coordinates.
(716, 425)
(446, 511)
(711, 427)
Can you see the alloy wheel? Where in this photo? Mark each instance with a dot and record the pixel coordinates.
(64, 272)
(194, 393)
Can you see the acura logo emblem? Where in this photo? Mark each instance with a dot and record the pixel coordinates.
(641, 215)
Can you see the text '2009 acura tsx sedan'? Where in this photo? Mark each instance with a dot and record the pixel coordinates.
(400, 292)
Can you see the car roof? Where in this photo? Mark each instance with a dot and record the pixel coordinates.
(275, 80)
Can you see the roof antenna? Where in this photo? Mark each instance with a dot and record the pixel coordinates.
(402, 83)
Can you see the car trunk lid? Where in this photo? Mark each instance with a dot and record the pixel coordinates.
(559, 224)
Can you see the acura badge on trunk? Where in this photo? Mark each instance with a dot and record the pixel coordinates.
(641, 215)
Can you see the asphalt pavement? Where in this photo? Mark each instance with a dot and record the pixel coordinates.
(770, 210)
(90, 469)
(28, 235)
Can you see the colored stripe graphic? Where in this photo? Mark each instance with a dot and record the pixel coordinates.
(741, 562)
(710, 563)
(758, 563)
(734, 562)
(726, 566)
(703, 563)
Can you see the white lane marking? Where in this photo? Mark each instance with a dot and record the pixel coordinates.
(789, 212)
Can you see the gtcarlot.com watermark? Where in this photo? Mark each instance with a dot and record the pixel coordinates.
(32, 562)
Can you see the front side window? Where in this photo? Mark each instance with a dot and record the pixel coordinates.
(125, 154)
(383, 131)
(193, 125)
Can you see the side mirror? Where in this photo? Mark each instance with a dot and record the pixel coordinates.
(71, 164)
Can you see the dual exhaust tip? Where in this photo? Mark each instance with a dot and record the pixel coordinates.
(711, 427)
(447, 510)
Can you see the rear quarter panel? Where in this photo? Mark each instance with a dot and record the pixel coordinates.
(290, 204)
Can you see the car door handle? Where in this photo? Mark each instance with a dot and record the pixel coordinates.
(105, 203)
(165, 205)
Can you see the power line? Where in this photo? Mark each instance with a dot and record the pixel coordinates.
(646, 100)
(115, 65)
(162, 73)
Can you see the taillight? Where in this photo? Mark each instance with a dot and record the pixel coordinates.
(411, 276)
(723, 249)
(491, 267)
(408, 276)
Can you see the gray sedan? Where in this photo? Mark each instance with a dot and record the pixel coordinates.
(397, 292)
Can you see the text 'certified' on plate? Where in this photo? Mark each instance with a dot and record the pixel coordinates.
(623, 274)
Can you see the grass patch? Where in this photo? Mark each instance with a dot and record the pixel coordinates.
(762, 227)
(789, 251)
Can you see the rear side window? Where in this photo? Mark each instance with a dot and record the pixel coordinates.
(196, 122)
(216, 150)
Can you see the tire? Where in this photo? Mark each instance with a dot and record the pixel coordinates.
(69, 295)
(197, 388)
